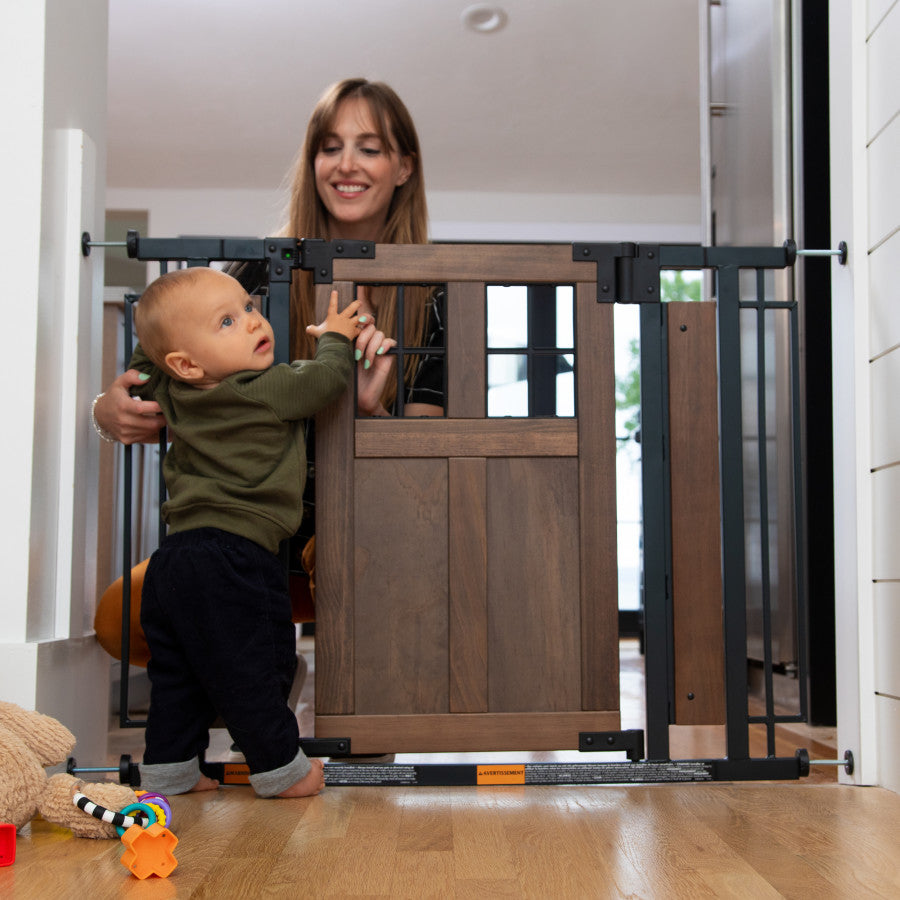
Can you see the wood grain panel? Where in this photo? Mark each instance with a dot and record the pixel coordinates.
(334, 541)
(595, 358)
(466, 339)
(468, 586)
(465, 732)
(696, 545)
(430, 437)
(534, 628)
(496, 263)
(401, 552)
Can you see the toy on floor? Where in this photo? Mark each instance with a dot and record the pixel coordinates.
(149, 845)
(7, 844)
(30, 741)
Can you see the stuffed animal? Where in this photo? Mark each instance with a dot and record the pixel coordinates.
(28, 742)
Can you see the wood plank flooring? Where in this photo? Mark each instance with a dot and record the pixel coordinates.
(808, 839)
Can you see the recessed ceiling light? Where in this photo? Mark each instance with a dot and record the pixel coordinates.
(484, 17)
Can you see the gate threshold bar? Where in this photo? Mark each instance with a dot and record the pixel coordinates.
(552, 773)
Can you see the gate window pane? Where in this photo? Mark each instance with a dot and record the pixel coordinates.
(507, 376)
(507, 316)
(539, 320)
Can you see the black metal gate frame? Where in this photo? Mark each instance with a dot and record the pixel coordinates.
(626, 273)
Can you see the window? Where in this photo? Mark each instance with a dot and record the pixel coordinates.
(530, 350)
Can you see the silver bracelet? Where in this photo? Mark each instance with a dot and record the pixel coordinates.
(105, 435)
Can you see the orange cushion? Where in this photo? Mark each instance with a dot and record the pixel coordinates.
(108, 619)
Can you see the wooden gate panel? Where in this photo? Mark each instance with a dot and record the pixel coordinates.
(335, 586)
(599, 589)
(401, 628)
(534, 627)
(468, 586)
(699, 650)
(480, 608)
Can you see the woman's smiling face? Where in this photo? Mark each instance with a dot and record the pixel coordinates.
(356, 173)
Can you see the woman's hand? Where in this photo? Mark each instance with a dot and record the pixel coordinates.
(126, 418)
(374, 367)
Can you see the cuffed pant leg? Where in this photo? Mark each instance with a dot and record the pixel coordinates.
(271, 784)
(170, 778)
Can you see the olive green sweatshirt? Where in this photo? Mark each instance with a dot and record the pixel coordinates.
(237, 459)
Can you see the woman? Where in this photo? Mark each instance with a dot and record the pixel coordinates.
(358, 176)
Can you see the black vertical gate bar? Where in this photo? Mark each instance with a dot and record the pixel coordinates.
(799, 518)
(276, 308)
(656, 531)
(732, 478)
(402, 338)
(125, 720)
(160, 481)
(541, 334)
(277, 304)
(126, 554)
(763, 464)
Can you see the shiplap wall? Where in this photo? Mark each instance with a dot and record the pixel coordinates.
(883, 245)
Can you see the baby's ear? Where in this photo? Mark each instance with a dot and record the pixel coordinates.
(183, 367)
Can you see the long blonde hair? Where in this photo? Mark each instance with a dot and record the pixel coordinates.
(407, 218)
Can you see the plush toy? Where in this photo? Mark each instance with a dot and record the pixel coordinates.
(28, 742)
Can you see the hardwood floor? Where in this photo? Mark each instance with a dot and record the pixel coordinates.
(813, 838)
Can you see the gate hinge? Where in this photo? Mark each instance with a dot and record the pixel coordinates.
(626, 272)
(631, 741)
(318, 255)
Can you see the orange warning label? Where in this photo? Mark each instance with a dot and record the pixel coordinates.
(236, 774)
(501, 774)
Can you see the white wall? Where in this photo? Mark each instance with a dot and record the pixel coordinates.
(883, 245)
(457, 216)
(865, 101)
(53, 77)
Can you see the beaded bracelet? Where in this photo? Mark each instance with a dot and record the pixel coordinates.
(105, 435)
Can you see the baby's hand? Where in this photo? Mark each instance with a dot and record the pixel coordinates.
(345, 322)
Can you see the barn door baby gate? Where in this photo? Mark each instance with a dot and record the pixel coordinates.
(467, 563)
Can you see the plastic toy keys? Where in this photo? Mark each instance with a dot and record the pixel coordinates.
(149, 851)
(7, 844)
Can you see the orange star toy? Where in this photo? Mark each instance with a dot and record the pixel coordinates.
(149, 851)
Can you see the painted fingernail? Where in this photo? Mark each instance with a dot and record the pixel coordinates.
(143, 376)
(366, 364)
(363, 320)
(379, 351)
(357, 355)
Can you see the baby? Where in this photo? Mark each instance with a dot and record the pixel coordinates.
(215, 607)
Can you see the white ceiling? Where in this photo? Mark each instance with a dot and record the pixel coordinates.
(571, 96)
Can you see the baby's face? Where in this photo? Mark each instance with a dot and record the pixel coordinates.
(224, 332)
